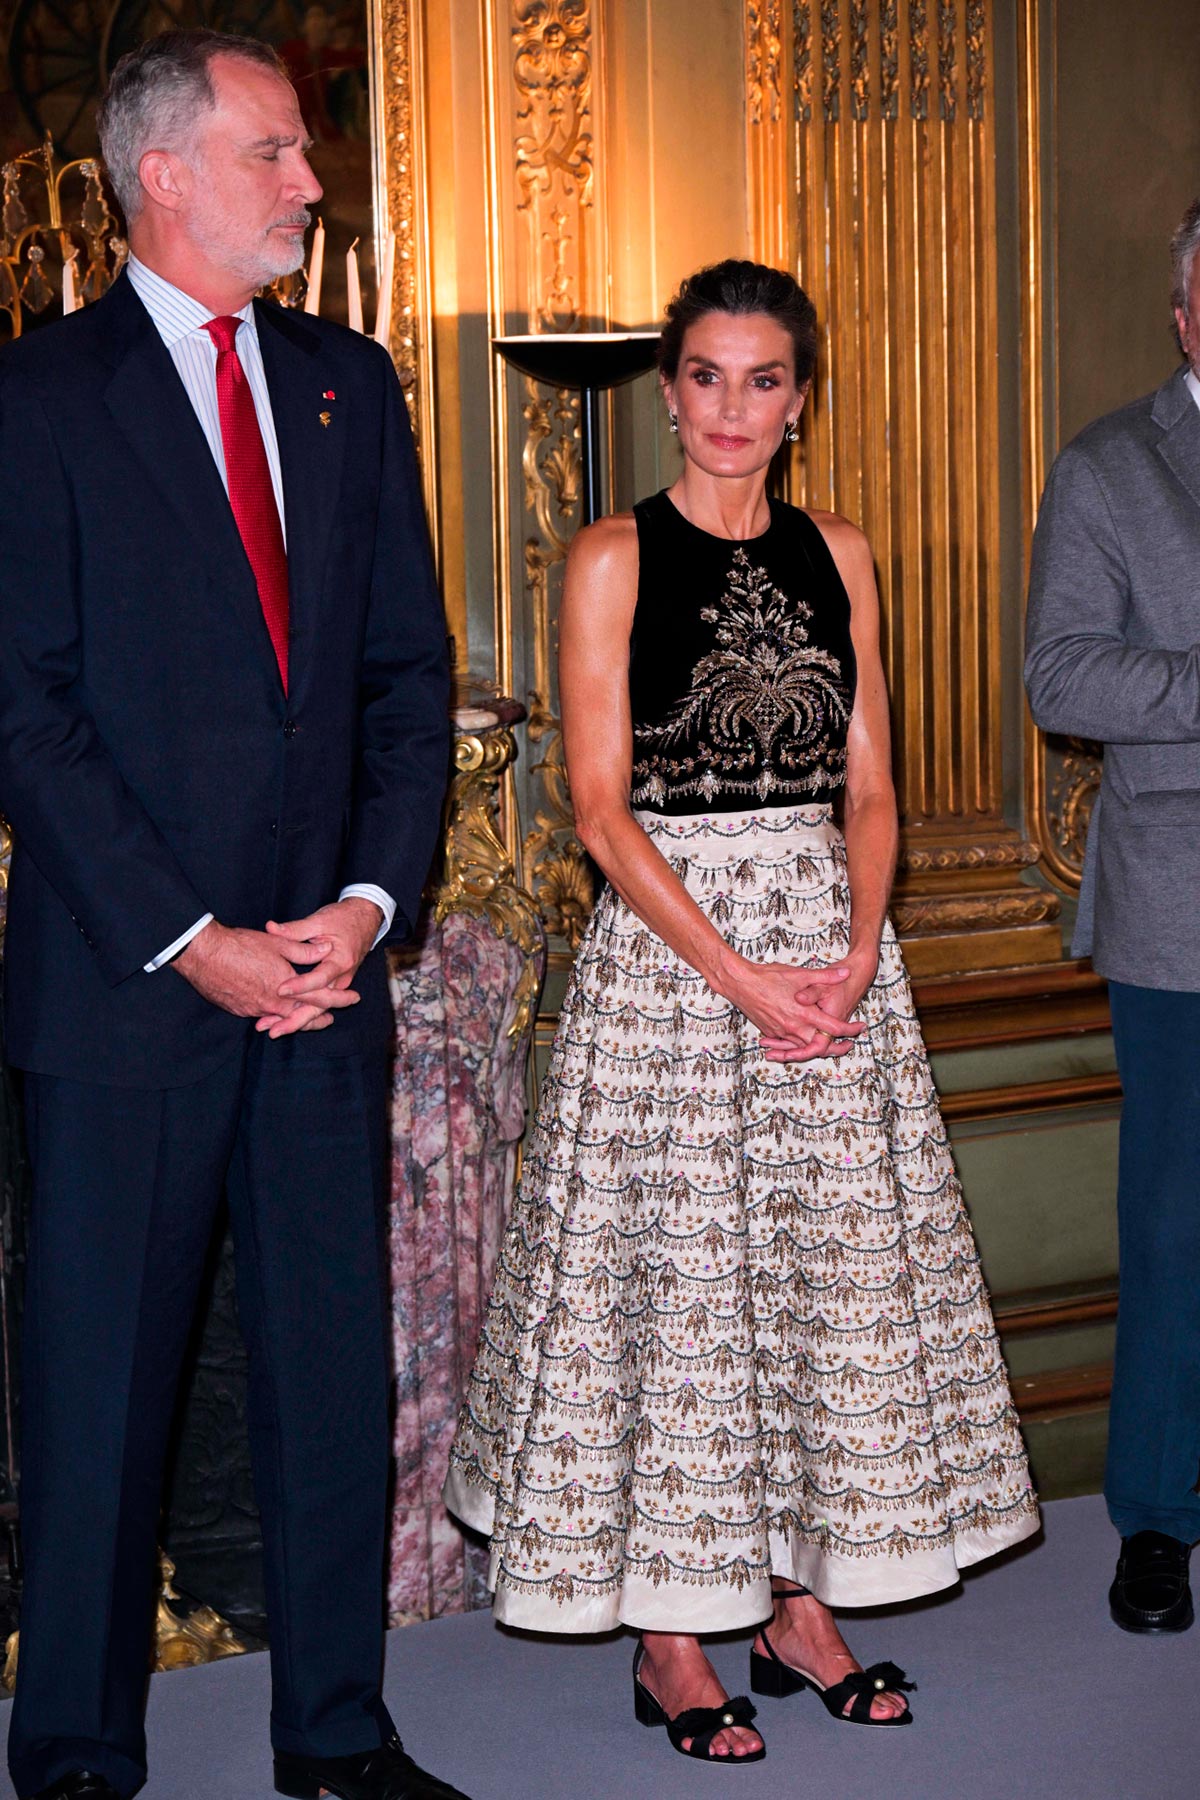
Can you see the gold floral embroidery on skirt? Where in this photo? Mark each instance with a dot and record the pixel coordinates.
(738, 1325)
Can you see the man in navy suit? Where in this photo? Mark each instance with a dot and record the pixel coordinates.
(223, 747)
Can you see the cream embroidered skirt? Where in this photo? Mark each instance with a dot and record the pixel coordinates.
(738, 1325)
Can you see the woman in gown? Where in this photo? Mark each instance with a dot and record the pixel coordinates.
(739, 1365)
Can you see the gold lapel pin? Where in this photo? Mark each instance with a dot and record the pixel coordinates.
(325, 418)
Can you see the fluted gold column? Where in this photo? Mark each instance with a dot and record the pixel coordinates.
(894, 235)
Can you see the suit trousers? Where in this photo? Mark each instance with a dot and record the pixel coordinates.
(1154, 1425)
(126, 1186)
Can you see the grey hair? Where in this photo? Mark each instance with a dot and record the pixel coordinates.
(155, 97)
(1184, 244)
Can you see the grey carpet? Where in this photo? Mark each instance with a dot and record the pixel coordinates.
(1027, 1692)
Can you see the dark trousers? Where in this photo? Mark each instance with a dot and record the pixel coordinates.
(126, 1184)
(1154, 1426)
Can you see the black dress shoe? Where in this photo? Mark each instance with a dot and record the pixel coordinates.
(1151, 1591)
(80, 1784)
(383, 1774)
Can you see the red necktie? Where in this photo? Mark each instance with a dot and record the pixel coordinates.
(251, 494)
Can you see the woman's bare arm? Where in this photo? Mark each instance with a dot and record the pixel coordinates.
(599, 595)
(872, 831)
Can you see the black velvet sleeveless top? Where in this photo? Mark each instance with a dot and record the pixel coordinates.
(741, 665)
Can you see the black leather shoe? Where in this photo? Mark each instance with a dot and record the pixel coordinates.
(383, 1774)
(81, 1784)
(1151, 1591)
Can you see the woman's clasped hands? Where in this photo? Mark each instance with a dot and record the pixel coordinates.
(804, 1013)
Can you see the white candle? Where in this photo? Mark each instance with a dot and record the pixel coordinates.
(70, 297)
(383, 310)
(354, 288)
(316, 265)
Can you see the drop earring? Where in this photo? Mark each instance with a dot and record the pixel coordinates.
(673, 419)
(793, 431)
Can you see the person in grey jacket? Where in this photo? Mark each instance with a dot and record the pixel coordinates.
(1113, 654)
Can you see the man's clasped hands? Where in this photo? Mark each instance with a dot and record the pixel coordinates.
(291, 977)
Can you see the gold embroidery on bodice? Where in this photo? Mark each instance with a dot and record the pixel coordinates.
(766, 711)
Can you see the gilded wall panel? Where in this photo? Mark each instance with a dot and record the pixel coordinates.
(549, 275)
(404, 205)
(766, 162)
(892, 155)
(1062, 775)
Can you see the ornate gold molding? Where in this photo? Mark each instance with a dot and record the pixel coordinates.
(918, 59)
(552, 73)
(565, 889)
(1010, 854)
(764, 61)
(889, 60)
(942, 914)
(767, 124)
(1070, 771)
(1062, 775)
(479, 877)
(402, 206)
(543, 61)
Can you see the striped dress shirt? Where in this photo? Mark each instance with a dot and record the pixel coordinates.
(180, 322)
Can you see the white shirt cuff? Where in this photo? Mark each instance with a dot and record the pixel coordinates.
(365, 890)
(164, 956)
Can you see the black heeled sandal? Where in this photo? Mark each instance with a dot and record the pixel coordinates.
(700, 1723)
(772, 1676)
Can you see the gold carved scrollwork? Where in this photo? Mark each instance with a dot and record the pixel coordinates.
(552, 70)
(831, 68)
(396, 128)
(889, 60)
(947, 61)
(860, 79)
(1074, 784)
(927, 917)
(550, 462)
(976, 57)
(944, 857)
(556, 868)
(479, 875)
(803, 59)
(764, 57)
(918, 57)
(552, 67)
(562, 874)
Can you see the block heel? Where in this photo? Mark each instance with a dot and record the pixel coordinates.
(646, 1709)
(771, 1676)
(701, 1724)
(774, 1679)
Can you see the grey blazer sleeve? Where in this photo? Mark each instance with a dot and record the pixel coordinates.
(1084, 679)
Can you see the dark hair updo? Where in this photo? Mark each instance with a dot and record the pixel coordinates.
(739, 288)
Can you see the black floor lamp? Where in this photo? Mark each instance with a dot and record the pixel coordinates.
(590, 361)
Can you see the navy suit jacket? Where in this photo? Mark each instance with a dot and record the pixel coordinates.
(151, 766)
